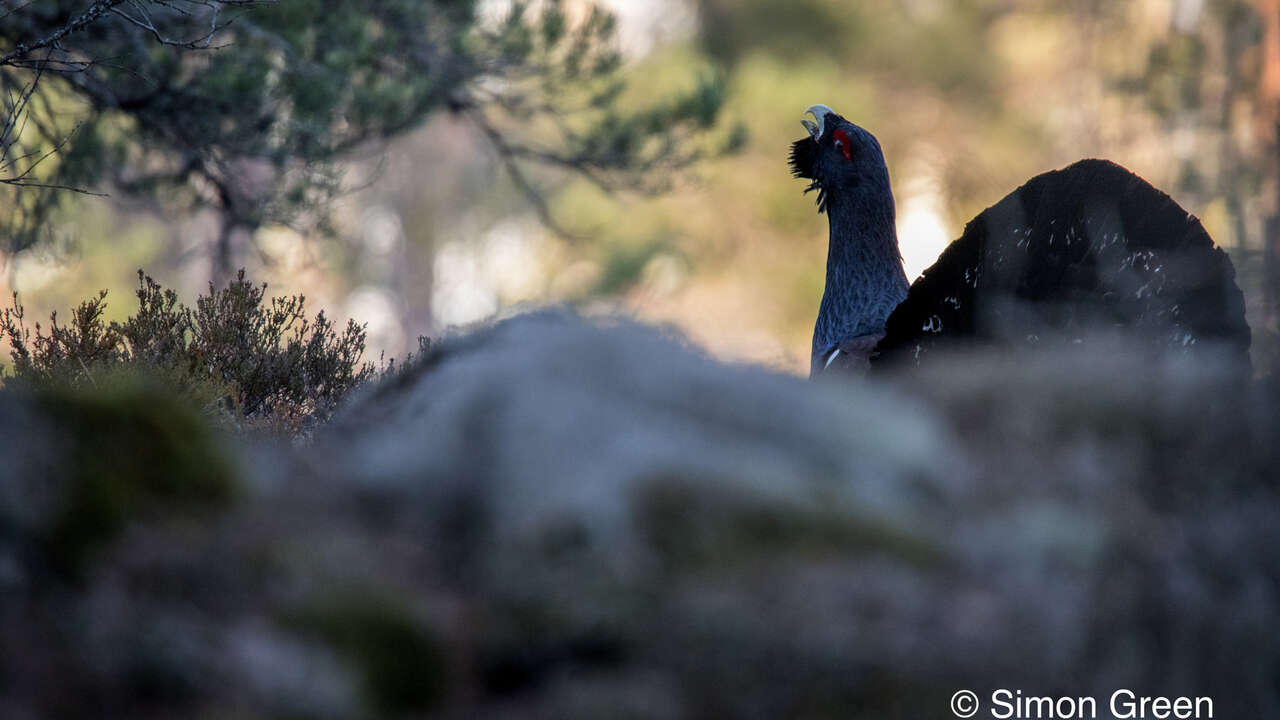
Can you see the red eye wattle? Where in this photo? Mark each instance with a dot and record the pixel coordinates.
(841, 139)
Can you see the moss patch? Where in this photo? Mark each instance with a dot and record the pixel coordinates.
(132, 452)
(402, 667)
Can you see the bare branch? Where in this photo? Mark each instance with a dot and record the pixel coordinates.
(508, 157)
(142, 20)
(19, 182)
(94, 13)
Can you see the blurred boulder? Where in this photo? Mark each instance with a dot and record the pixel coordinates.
(562, 518)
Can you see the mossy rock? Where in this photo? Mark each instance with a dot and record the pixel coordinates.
(402, 666)
(129, 451)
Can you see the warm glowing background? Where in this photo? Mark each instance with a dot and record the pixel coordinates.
(969, 99)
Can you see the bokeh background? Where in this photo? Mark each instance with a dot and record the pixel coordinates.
(969, 99)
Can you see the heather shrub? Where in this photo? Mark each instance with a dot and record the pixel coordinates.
(254, 362)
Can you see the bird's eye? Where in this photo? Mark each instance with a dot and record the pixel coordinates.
(842, 143)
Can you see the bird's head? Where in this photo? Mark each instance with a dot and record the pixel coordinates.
(839, 157)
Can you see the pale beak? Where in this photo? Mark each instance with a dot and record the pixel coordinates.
(819, 113)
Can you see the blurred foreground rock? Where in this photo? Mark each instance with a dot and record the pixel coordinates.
(560, 519)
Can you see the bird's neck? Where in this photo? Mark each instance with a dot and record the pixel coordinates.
(865, 279)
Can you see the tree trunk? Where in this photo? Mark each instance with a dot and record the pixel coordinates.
(227, 250)
(1269, 109)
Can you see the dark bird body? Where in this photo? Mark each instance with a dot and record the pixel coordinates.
(1088, 248)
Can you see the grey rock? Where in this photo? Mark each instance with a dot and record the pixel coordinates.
(566, 518)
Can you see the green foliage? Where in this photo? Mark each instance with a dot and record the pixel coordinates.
(938, 46)
(735, 28)
(235, 353)
(625, 264)
(251, 117)
(1174, 75)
